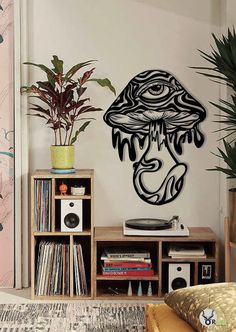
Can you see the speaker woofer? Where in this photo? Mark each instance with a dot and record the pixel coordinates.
(178, 283)
(71, 220)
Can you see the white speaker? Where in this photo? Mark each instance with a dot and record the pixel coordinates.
(71, 215)
(178, 276)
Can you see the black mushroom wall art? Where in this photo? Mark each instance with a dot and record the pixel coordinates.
(152, 117)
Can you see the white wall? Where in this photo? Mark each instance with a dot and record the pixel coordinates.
(127, 37)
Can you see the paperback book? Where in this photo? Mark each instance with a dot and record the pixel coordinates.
(124, 259)
(126, 253)
(138, 273)
(126, 264)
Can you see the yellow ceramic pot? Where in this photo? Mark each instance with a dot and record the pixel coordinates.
(62, 156)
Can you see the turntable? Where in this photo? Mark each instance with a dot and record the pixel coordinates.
(155, 227)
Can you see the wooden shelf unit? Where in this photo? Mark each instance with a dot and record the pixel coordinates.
(106, 237)
(80, 177)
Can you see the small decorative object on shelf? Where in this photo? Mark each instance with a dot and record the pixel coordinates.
(130, 292)
(149, 292)
(75, 190)
(140, 291)
(63, 188)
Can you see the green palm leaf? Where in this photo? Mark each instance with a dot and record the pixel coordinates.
(222, 59)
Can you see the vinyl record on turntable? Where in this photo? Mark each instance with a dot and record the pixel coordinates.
(148, 224)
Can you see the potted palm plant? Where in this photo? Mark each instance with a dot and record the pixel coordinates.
(61, 103)
(223, 70)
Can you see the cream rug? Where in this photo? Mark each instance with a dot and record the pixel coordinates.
(66, 317)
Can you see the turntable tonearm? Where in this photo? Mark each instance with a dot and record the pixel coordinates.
(155, 227)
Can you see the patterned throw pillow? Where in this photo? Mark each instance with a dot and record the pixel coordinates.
(206, 307)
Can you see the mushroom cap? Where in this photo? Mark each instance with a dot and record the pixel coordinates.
(154, 95)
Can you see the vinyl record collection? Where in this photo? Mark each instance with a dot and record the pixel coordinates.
(42, 205)
(79, 271)
(53, 269)
(127, 262)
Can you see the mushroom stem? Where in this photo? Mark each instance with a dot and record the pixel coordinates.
(158, 176)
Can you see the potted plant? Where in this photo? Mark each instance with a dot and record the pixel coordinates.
(61, 103)
(223, 70)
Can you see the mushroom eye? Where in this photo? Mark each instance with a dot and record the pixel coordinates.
(157, 91)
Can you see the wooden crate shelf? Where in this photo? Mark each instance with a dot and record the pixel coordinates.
(106, 237)
(85, 237)
(95, 240)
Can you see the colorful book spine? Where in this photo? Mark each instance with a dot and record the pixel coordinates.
(126, 268)
(120, 259)
(128, 255)
(128, 264)
(137, 273)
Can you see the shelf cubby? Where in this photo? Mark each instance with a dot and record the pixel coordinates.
(64, 258)
(112, 237)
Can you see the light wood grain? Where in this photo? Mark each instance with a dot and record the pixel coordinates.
(197, 234)
(62, 298)
(74, 197)
(113, 236)
(227, 250)
(195, 276)
(217, 259)
(32, 240)
(131, 298)
(84, 233)
(186, 259)
(88, 231)
(125, 278)
(93, 250)
(79, 173)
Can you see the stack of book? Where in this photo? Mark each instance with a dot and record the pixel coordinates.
(42, 208)
(126, 262)
(53, 269)
(79, 271)
(186, 251)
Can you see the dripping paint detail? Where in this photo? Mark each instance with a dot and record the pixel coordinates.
(157, 114)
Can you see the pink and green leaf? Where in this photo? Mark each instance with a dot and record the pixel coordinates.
(75, 68)
(82, 128)
(105, 82)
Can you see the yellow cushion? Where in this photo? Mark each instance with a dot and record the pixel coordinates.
(161, 318)
(193, 303)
